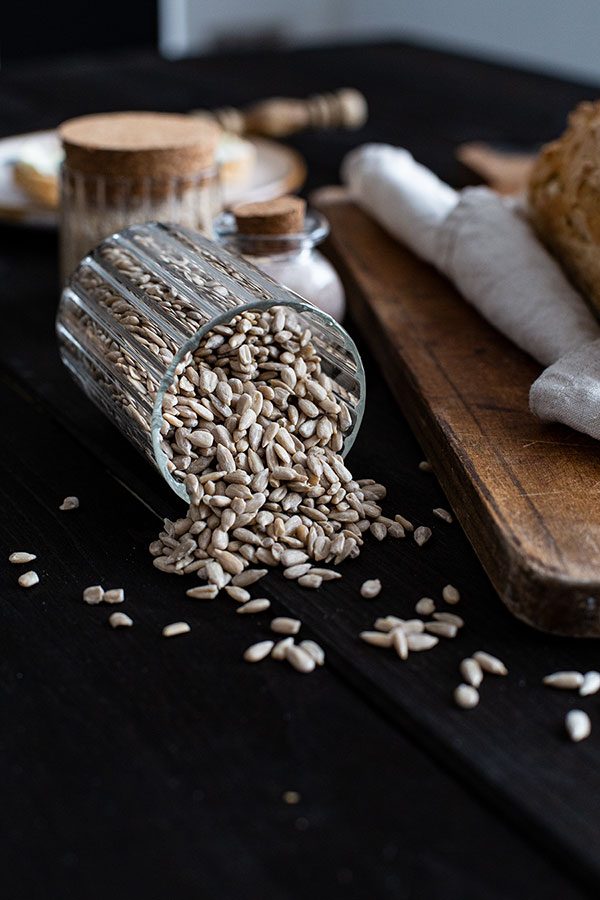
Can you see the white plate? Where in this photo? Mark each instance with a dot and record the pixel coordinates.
(278, 170)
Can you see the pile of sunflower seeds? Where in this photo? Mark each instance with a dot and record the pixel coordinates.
(253, 427)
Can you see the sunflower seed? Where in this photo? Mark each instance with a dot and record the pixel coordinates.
(376, 638)
(254, 606)
(471, 671)
(20, 557)
(466, 696)
(422, 535)
(451, 618)
(258, 652)
(569, 681)
(241, 595)
(93, 594)
(310, 581)
(400, 642)
(299, 658)
(279, 650)
(120, 620)
(489, 663)
(250, 576)
(413, 626)
(315, 650)
(378, 530)
(326, 574)
(406, 524)
(285, 625)
(450, 595)
(28, 579)
(203, 592)
(386, 623)
(114, 595)
(69, 503)
(425, 466)
(591, 684)
(371, 588)
(578, 725)
(425, 606)
(443, 514)
(418, 642)
(294, 572)
(175, 628)
(442, 629)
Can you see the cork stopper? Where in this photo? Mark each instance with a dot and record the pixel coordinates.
(140, 144)
(285, 215)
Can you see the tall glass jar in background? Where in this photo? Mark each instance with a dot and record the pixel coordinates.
(143, 300)
(125, 168)
(280, 237)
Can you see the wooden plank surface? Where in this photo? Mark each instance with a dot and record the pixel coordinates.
(527, 494)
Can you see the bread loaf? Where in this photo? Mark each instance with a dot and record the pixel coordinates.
(564, 198)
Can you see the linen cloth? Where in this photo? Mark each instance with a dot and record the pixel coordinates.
(485, 245)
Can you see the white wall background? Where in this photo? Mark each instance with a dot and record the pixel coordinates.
(559, 36)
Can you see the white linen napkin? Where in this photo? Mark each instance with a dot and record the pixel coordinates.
(485, 245)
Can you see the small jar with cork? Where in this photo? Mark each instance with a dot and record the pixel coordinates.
(125, 168)
(280, 237)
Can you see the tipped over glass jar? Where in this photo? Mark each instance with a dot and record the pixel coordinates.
(280, 237)
(155, 320)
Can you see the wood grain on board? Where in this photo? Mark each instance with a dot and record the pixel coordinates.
(527, 494)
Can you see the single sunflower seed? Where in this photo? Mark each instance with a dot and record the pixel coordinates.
(471, 671)
(489, 663)
(370, 588)
(175, 628)
(20, 557)
(310, 580)
(421, 535)
(376, 638)
(114, 595)
(442, 629)
(254, 606)
(568, 681)
(28, 579)
(258, 652)
(203, 592)
(400, 642)
(466, 696)
(591, 684)
(578, 725)
(240, 594)
(450, 595)
(418, 642)
(280, 647)
(443, 514)
(120, 620)
(425, 606)
(93, 594)
(451, 618)
(406, 523)
(69, 503)
(285, 625)
(425, 466)
(300, 659)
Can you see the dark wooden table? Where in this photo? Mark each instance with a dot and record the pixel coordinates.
(137, 767)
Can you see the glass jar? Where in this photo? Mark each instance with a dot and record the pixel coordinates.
(144, 299)
(290, 259)
(94, 206)
(125, 168)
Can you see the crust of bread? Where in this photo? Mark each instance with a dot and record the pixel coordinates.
(564, 199)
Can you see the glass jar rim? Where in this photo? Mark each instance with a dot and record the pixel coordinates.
(192, 343)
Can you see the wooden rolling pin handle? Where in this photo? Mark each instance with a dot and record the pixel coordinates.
(280, 116)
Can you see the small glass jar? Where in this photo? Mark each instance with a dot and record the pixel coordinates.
(291, 259)
(125, 168)
(144, 299)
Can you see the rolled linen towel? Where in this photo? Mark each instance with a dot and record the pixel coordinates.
(485, 245)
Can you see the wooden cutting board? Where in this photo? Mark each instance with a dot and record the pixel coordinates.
(527, 494)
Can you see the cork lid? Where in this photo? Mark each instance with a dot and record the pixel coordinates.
(139, 144)
(282, 216)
